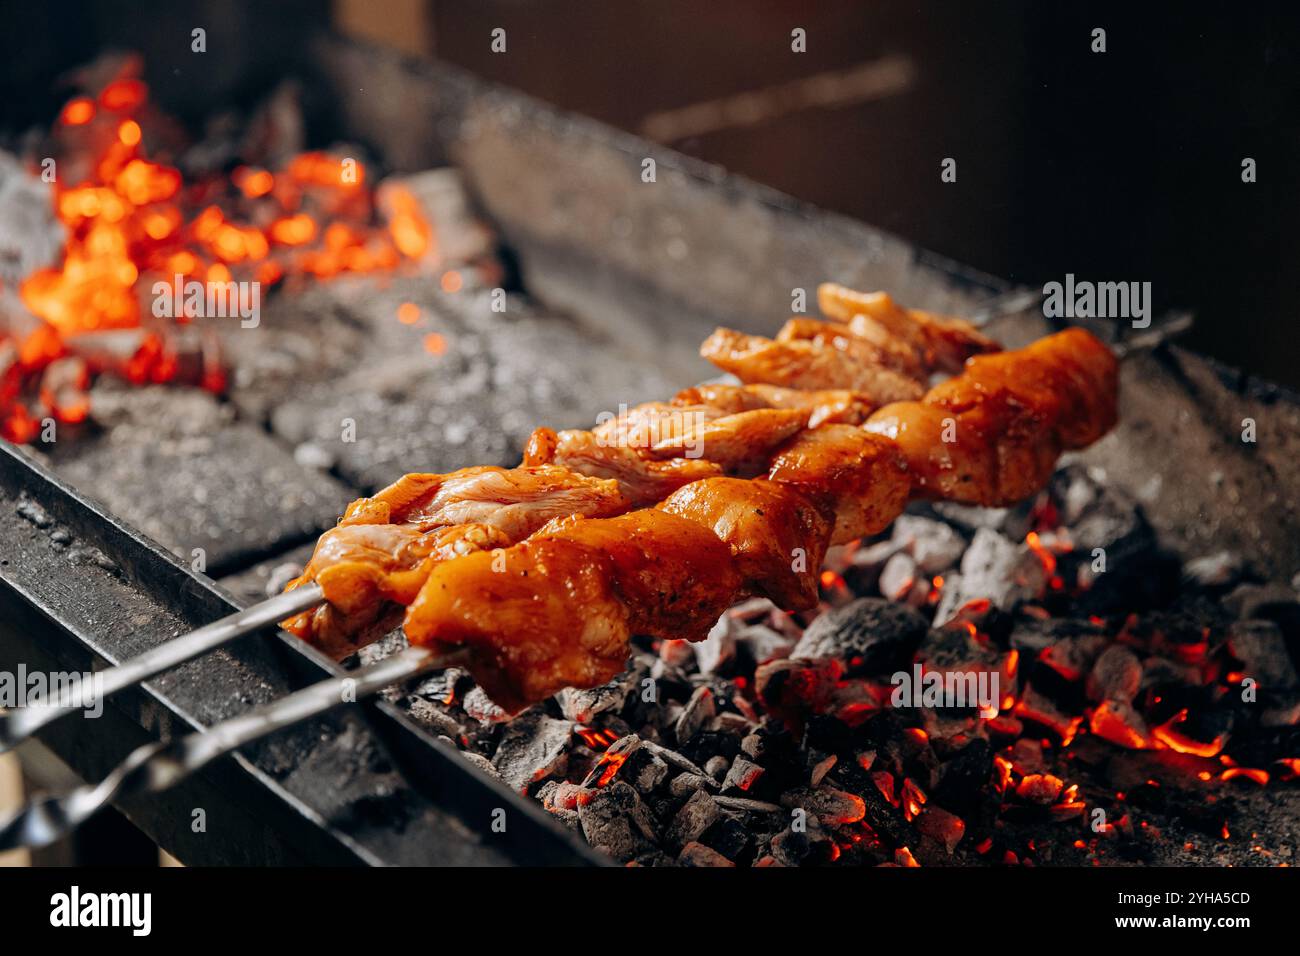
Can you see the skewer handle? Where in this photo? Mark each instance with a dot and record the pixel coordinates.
(157, 766)
(20, 723)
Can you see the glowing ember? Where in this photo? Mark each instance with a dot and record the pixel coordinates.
(132, 221)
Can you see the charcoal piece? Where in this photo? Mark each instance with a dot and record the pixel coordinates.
(172, 462)
(964, 780)
(942, 826)
(616, 821)
(644, 770)
(583, 706)
(745, 805)
(483, 708)
(820, 769)
(673, 758)
(696, 815)
(1216, 571)
(1117, 675)
(1119, 722)
(1269, 602)
(697, 854)
(1031, 635)
(685, 784)
(699, 710)
(995, 569)
(716, 767)
(711, 743)
(533, 747)
(935, 546)
(807, 843)
(718, 649)
(973, 517)
(897, 577)
(761, 643)
(869, 635)
(831, 806)
(613, 761)
(742, 777)
(728, 836)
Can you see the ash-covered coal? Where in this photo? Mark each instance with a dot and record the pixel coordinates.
(1144, 711)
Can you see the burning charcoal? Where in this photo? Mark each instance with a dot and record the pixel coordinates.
(673, 758)
(972, 517)
(676, 654)
(1269, 602)
(995, 569)
(533, 747)
(1041, 788)
(481, 762)
(696, 815)
(1118, 722)
(560, 795)
(438, 196)
(940, 825)
(688, 783)
(645, 770)
(1031, 636)
(1074, 657)
(718, 649)
(1219, 570)
(582, 706)
(700, 709)
(809, 843)
(1262, 650)
(1117, 675)
(612, 761)
(869, 635)
(616, 822)
(832, 807)
(1158, 671)
(897, 577)
(697, 854)
(761, 643)
(821, 768)
(1042, 710)
(31, 237)
(792, 688)
(933, 545)
(741, 777)
(482, 708)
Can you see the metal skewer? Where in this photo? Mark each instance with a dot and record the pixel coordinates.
(155, 767)
(20, 723)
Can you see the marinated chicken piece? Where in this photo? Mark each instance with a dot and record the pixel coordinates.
(740, 444)
(822, 405)
(559, 609)
(517, 501)
(991, 436)
(859, 478)
(843, 362)
(776, 535)
(939, 342)
(896, 353)
(643, 426)
(641, 479)
(378, 556)
(370, 572)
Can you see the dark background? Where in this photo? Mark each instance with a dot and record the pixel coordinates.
(1124, 165)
